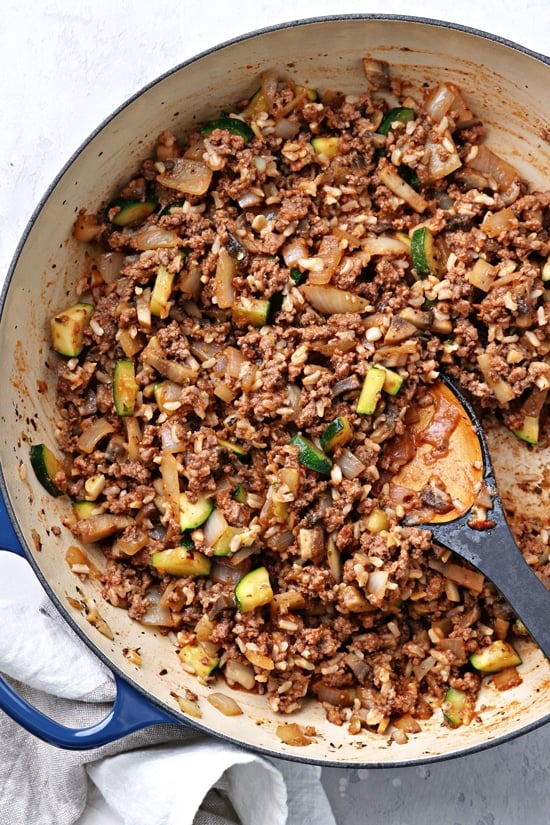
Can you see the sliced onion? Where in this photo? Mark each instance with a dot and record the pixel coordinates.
(174, 370)
(269, 84)
(109, 265)
(294, 250)
(502, 172)
(496, 222)
(192, 177)
(384, 245)
(93, 434)
(225, 573)
(324, 264)
(439, 102)
(377, 583)
(399, 187)
(224, 292)
(225, 704)
(350, 465)
(170, 441)
(235, 362)
(237, 673)
(215, 527)
(442, 159)
(154, 237)
(339, 697)
(330, 300)
(157, 614)
(97, 528)
(286, 128)
(204, 350)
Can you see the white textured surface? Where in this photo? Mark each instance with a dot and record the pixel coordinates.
(66, 66)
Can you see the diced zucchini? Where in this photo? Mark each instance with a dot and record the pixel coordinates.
(311, 94)
(250, 311)
(239, 494)
(179, 561)
(495, 657)
(234, 125)
(370, 391)
(125, 387)
(194, 513)
(311, 456)
(222, 546)
(233, 447)
(67, 329)
(529, 430)
(327, 146)
(393, 381)
(83, 509)
(162, 289)
(196, 658)
(297, 276)
(129, 211)
(253, 590)
(423, 252)
(337, 433)
(400, 114)
(170, 207)
(46, 465)
(455, 705)
(186, 541)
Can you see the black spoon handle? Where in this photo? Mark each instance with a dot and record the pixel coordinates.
(494, 552)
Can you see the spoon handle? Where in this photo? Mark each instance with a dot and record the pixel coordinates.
(494, 553)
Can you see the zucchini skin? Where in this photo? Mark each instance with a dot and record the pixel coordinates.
(311, 456)
(130, 211)
(253, 590)
(233, 125)
(45, 465)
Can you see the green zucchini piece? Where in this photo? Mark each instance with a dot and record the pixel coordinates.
(239, 494)
(455, 705)
(84, 509)
(162, 290)
(233, 447)
(194, 513)
(187, 542)
(179, 561)
(401, 114)
(297, 276)
(529, 430)
(337, 433)
(67, 329)
(196, 658)
(495, 657)
(131, 211)
(253, 590)
(46, 465)
(393, 381)
(168, 209)
(423, 252)
(234, 125)
(125, 387)
(311, 456)
(370, 391)
(251, 311)
(327, 146)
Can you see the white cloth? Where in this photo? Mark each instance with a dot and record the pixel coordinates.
(166, 775)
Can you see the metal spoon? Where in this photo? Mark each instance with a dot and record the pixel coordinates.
(487, 544)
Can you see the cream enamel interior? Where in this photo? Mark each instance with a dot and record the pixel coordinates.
(508, 89)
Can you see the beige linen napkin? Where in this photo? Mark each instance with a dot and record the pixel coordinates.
(164, 775)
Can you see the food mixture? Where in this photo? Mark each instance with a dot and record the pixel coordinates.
(267, 307)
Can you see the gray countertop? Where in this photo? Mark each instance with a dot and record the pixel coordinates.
(66, 66)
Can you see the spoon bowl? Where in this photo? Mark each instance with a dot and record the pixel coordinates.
(451, 453)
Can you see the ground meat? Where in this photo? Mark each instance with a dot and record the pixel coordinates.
(251, 328)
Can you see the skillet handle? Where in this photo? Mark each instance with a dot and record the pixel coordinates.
(130, 712)
(8, 537)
